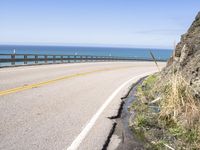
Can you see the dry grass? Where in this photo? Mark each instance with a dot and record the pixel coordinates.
(177, 119)
(179, 104)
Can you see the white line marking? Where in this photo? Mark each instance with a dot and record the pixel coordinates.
(75, 144)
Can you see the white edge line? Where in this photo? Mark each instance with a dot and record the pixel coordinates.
(75, 144)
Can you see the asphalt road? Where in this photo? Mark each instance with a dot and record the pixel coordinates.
(63, 106)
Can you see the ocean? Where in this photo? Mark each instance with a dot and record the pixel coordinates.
(78, 50)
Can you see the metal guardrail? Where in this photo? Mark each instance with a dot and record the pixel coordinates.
(31, 59)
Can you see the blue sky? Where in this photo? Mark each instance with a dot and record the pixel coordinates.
(130, 23)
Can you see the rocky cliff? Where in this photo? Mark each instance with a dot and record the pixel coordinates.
(186, 57)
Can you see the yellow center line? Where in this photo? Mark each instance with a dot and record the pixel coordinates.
(34, 85)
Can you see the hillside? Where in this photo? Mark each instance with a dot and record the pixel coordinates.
(167, 109)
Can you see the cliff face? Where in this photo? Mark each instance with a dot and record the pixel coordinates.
(186, 58)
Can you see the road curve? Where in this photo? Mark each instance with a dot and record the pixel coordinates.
(63, 106)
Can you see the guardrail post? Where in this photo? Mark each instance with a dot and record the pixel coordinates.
(45, 59)
(81, 59)
(36, 59)
(68, 57)
(12, 59)
(61, 57)
(54, 59)
(74, 58)
(25, 59)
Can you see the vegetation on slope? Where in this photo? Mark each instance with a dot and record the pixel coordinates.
(167, 115)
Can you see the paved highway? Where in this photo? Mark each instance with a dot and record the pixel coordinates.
(63, 106)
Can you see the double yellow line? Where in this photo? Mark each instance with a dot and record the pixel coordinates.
(35, 85)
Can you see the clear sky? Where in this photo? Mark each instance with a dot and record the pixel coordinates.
(135, 23)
